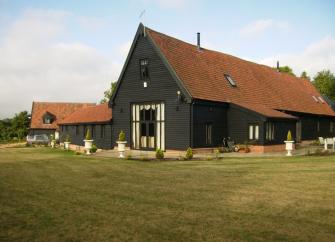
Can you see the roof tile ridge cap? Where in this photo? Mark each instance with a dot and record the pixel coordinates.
(47, 102)
(169, 36)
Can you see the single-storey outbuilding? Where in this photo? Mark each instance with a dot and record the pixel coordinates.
(98, 119)
(45, 116)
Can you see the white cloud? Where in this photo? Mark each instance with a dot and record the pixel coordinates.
(91, 23)
(315, 57)
(36, 65)
(261, 25)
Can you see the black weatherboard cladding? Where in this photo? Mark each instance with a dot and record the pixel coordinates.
(185, 120)
(162, 87)
(105, 142)
(209, 113)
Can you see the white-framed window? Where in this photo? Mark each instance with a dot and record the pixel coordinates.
(144, 71)
(148, 125)
(253, 131)
(269, 131)
(47, 120)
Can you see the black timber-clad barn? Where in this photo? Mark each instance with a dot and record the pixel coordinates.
(174, 95)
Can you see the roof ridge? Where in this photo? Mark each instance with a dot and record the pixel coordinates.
(46, 102)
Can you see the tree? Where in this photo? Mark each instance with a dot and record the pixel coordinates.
(20, 124)
(286, 69)
(108, 93)
(305, 76)
(324, 81)
(16, 127)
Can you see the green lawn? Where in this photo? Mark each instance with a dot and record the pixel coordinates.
(52, 195)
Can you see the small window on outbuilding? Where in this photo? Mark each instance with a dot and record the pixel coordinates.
(230, 80)
(253, 131)
(270, 131)
(144, 71)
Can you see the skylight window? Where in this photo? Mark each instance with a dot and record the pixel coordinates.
(315, 99)
(321, 99)
(230, 80)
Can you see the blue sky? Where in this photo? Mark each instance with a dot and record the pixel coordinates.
(46, 45)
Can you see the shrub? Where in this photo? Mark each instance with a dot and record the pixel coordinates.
(122, 136)
(159, 154)
(189, 153)
(289, 136)
(88, 135)
(94, 148)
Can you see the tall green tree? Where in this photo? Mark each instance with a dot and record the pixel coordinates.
(324, 81)
(16, 127)
(108, 93)
(305, 76)
(20, 124)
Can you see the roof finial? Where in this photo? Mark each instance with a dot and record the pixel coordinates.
(142, 14)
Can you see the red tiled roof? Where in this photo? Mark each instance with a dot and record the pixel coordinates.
(59, 110)
(268, 112)
(97, 114)
(202, 73)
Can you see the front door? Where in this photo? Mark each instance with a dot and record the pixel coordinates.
(148, 127)
(147, 135)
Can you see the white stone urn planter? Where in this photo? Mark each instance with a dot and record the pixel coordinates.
(121, 147)
(289, 147)
(88, 145)
(53, 143)
(67, 145)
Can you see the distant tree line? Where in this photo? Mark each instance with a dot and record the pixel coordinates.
(324, 80)
(14, 128)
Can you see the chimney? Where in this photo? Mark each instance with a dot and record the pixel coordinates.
(277, 65)
(198, 41)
